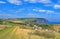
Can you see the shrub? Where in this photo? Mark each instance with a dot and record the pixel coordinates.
(45, 34)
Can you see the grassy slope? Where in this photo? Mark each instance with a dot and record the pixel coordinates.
(5, 32)
(18, 33)
(27, 19)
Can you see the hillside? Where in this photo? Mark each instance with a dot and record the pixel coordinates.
(26, 20)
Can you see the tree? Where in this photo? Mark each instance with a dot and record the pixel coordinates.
(1, 22)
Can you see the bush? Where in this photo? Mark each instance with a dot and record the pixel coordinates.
(31, 25)
(45, 34)
(1, 22)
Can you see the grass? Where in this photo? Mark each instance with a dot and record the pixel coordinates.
(16, 32)
(5, 32)
(57, 36)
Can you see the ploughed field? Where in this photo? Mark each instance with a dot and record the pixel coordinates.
(17, 32)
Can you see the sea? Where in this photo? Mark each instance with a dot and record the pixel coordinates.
(53, 23)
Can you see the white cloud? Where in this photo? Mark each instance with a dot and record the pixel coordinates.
(16, 2)
(5, 14)
(31, 1)
(56, 6)
(20, 10)
(32, 15)
(45, 1)
(38, 1)
(49, 11)
(2, 2)
(43, 11)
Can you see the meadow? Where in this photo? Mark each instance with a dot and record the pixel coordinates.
(26, 32)
(20, 29)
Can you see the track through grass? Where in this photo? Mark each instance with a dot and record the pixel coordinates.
(15, 32)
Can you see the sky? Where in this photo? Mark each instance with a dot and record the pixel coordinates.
(48, 9)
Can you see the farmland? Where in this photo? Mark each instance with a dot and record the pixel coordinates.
(17, 32)
(18, 29)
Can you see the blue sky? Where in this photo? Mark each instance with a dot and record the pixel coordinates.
(49, 9)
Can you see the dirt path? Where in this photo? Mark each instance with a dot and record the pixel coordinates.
(18, 33)
(22, 33)
(9, 36)
(5, 32)
(8, 33)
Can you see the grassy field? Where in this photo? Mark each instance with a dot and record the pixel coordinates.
(16, 32)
